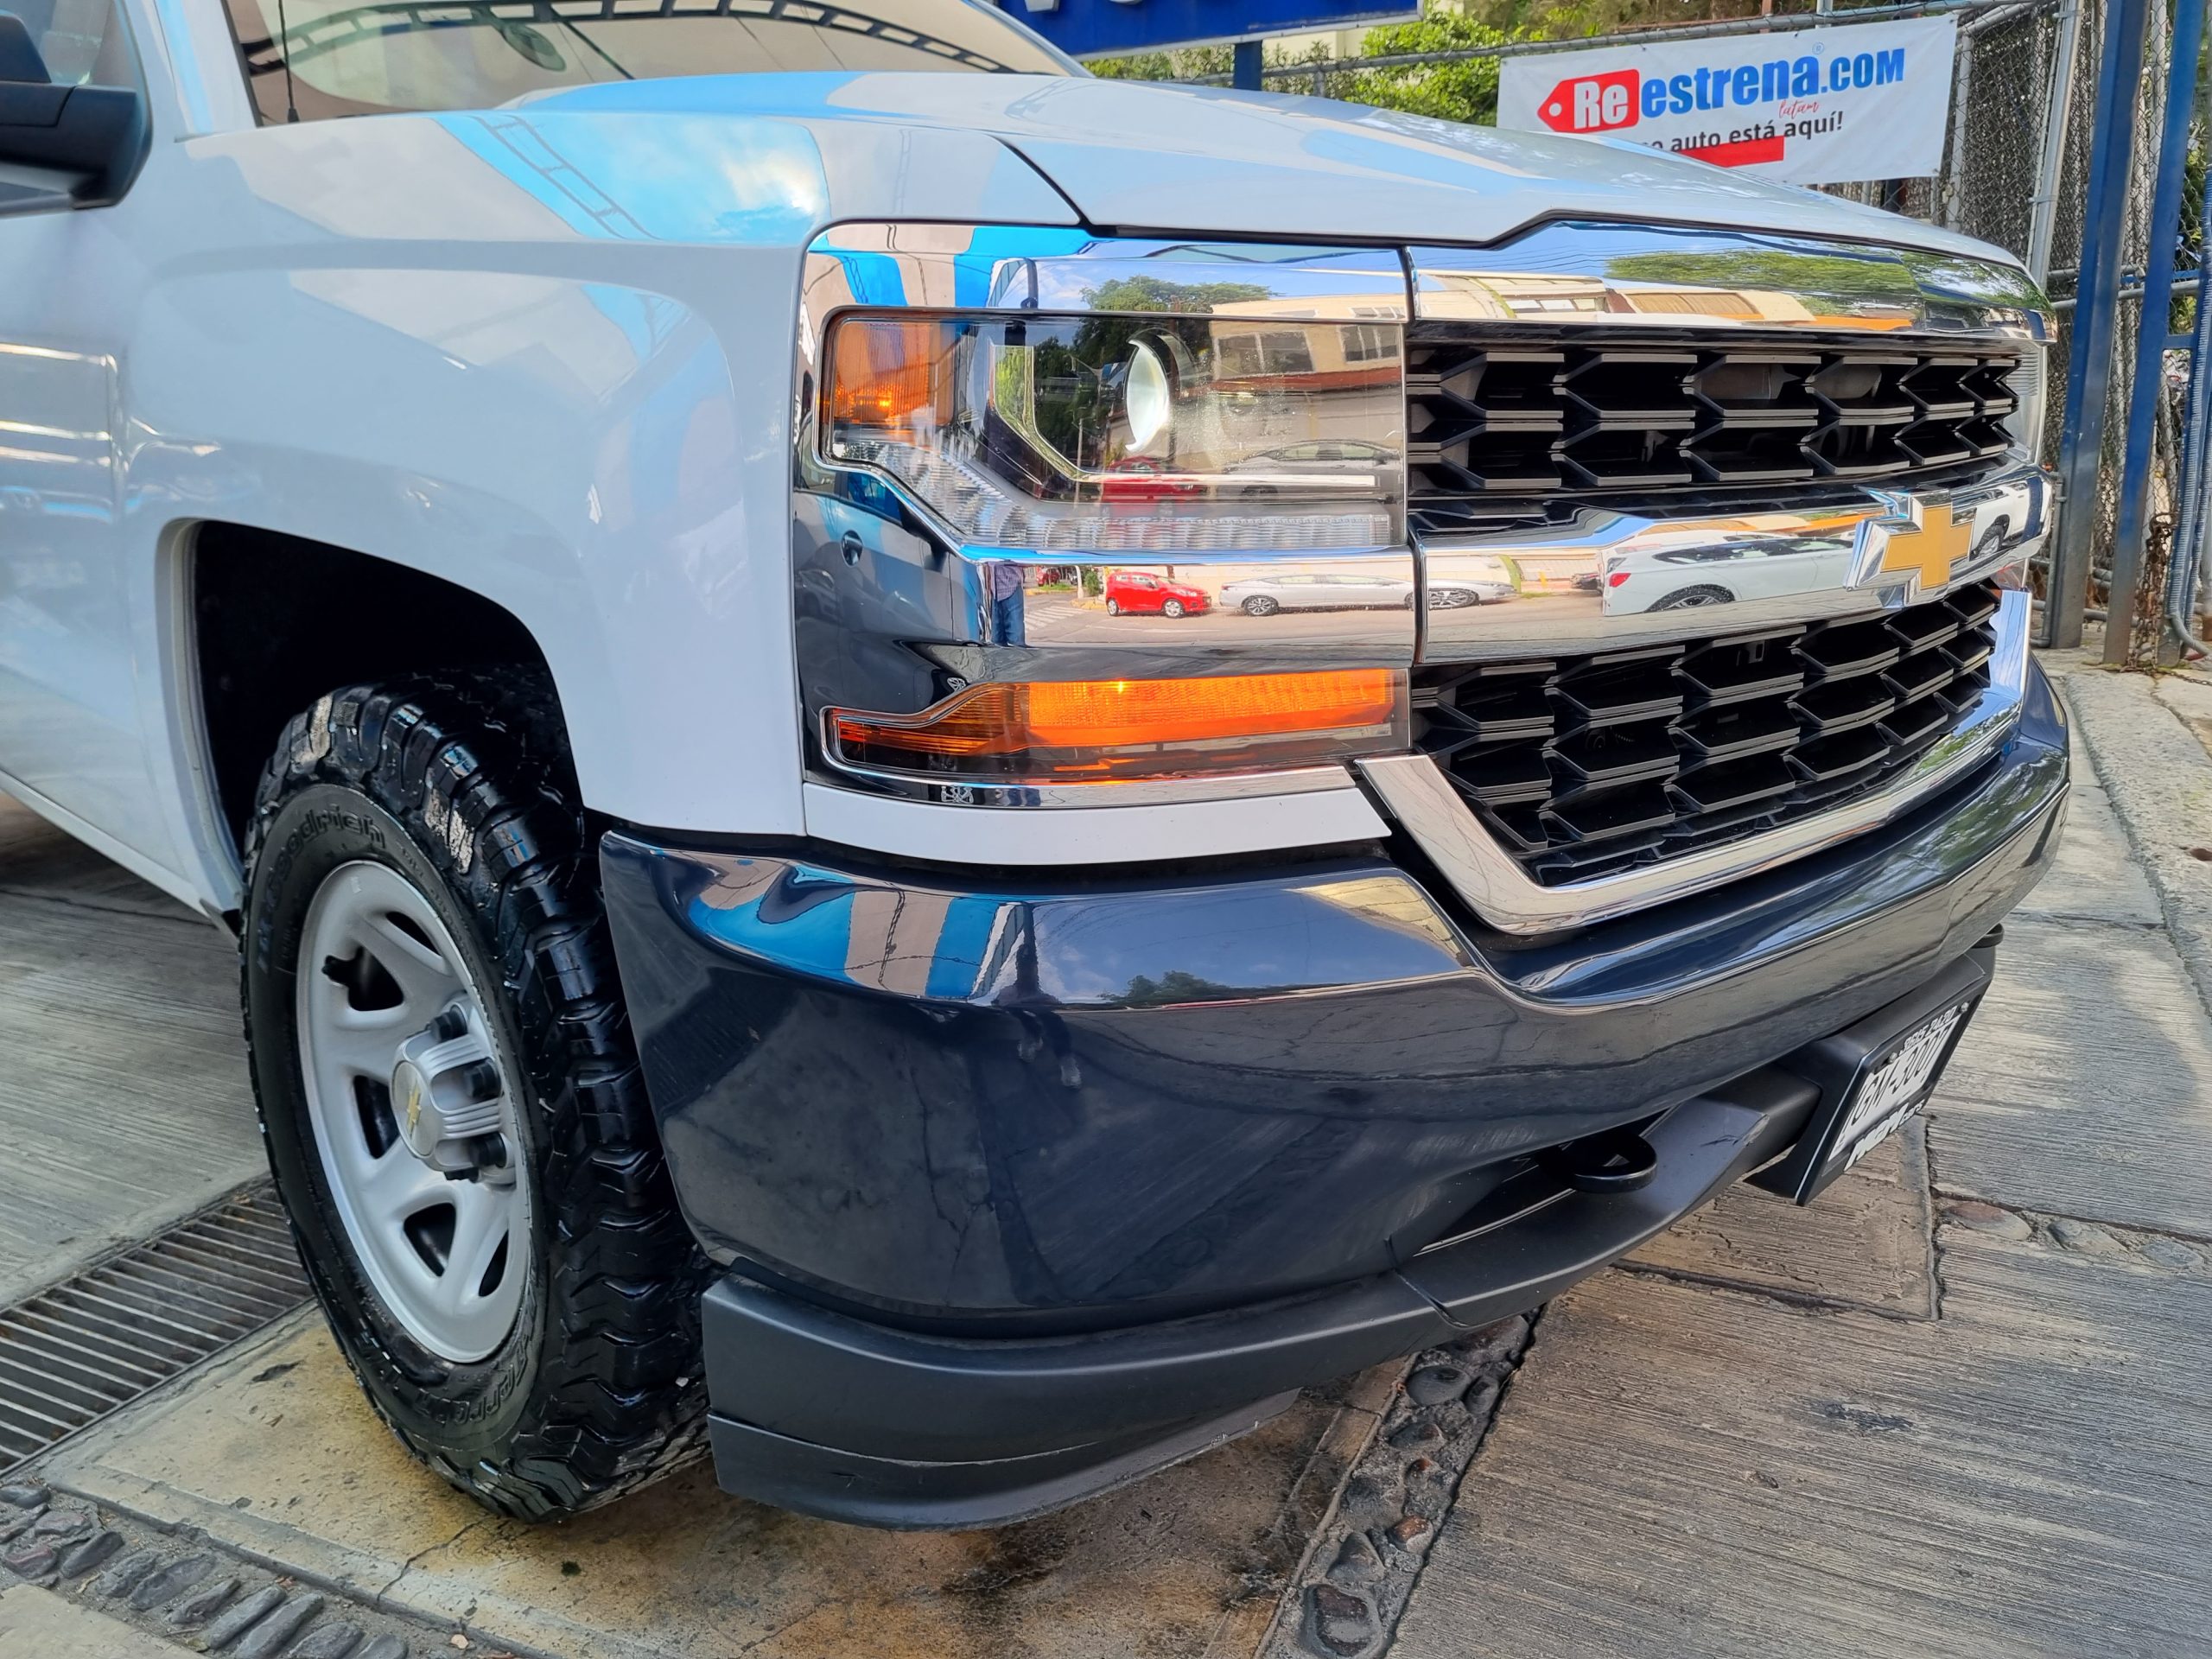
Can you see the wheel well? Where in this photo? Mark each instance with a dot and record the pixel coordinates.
(278, 620)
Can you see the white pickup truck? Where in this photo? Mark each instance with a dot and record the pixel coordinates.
(665, 573)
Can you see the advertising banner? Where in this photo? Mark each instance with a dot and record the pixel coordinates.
(1809, 105)
(1089, 29)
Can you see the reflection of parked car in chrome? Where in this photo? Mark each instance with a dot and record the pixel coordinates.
(1457, 595)
(1296, 466)
(1139, 477)
(1336, 590)
(1710, 572)
(1131, 593)
(1346, 590)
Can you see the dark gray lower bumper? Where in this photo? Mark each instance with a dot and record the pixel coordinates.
(863, 1423)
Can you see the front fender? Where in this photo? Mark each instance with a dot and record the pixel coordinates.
(547, 356)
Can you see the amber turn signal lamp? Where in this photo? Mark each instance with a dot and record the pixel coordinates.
(1079, 730)
(886, 371)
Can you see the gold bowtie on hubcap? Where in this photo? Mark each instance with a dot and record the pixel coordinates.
(447, 1091)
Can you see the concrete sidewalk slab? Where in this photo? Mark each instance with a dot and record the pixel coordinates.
(2155, 768)
(2084, 1085)
(1683, 1470)
(126, 1105)
(1867, 1243)
(37, 1624)
(2094, 877)
(273, 1455)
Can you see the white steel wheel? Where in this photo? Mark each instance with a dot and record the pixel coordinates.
(413, 1107)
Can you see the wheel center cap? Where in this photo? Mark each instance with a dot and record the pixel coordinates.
(420, 1124)
(445, 1091)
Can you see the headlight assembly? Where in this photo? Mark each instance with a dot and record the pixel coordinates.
(1112, 434)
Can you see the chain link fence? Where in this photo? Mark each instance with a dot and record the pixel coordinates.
(2015, 172)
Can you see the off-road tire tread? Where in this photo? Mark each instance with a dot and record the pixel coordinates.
(476, 766)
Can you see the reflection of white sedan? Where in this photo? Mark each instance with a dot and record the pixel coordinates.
(1300, 466)
(1265, 596)
(1707, 572)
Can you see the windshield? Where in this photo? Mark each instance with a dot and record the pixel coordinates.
(350, 58)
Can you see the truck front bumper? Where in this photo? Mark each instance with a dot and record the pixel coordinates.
(1025, 1189)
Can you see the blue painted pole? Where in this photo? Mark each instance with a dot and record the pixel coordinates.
(1244, 68)
(2088, 370)
(2152, 327)
(2195, 517)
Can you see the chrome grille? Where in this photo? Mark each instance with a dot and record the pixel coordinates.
(1584, 766)
(1503, 416)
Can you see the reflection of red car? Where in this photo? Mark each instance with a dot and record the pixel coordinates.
(1143, 479)
(1128, 592)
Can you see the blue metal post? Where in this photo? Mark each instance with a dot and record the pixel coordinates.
(2088, 371)
(2152, 331)
(2195, 514)
(1244, 68)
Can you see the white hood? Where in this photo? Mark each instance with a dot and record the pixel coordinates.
(1131, 155)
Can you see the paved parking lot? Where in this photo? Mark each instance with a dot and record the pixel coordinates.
(1956, 1409)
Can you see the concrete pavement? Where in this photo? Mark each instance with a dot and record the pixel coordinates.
(125, 1106)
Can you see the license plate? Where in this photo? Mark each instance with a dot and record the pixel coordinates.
(1897, 1087)
(1875, 1076)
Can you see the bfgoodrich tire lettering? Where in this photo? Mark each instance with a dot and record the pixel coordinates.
(462, 786)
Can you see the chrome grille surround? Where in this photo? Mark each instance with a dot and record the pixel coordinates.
(1584, 766)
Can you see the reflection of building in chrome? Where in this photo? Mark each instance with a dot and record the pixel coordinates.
(1342, 382)
(1251, 342)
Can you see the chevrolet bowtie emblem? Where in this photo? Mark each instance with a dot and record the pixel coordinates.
(1929, 549)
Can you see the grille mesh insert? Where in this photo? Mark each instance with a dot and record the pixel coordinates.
(1585, 766)
(91, 1345)
(1498, 418)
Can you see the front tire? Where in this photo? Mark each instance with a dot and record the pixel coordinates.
(420, 881)
(1171, 609)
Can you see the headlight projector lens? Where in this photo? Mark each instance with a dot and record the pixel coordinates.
(1148, 399)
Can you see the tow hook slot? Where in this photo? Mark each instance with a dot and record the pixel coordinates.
(1618, 1160)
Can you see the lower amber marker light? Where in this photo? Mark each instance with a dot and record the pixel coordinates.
(1072, 730)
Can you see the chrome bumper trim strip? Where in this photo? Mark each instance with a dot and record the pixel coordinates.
(1606, 581)
(1414, 791)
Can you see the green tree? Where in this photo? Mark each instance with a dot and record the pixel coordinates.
(1154, 295)
(1189, 64)
(1452, 91)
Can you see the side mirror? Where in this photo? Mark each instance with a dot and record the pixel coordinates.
(98, 135)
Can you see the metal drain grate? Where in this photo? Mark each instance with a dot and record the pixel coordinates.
(92, 1344)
